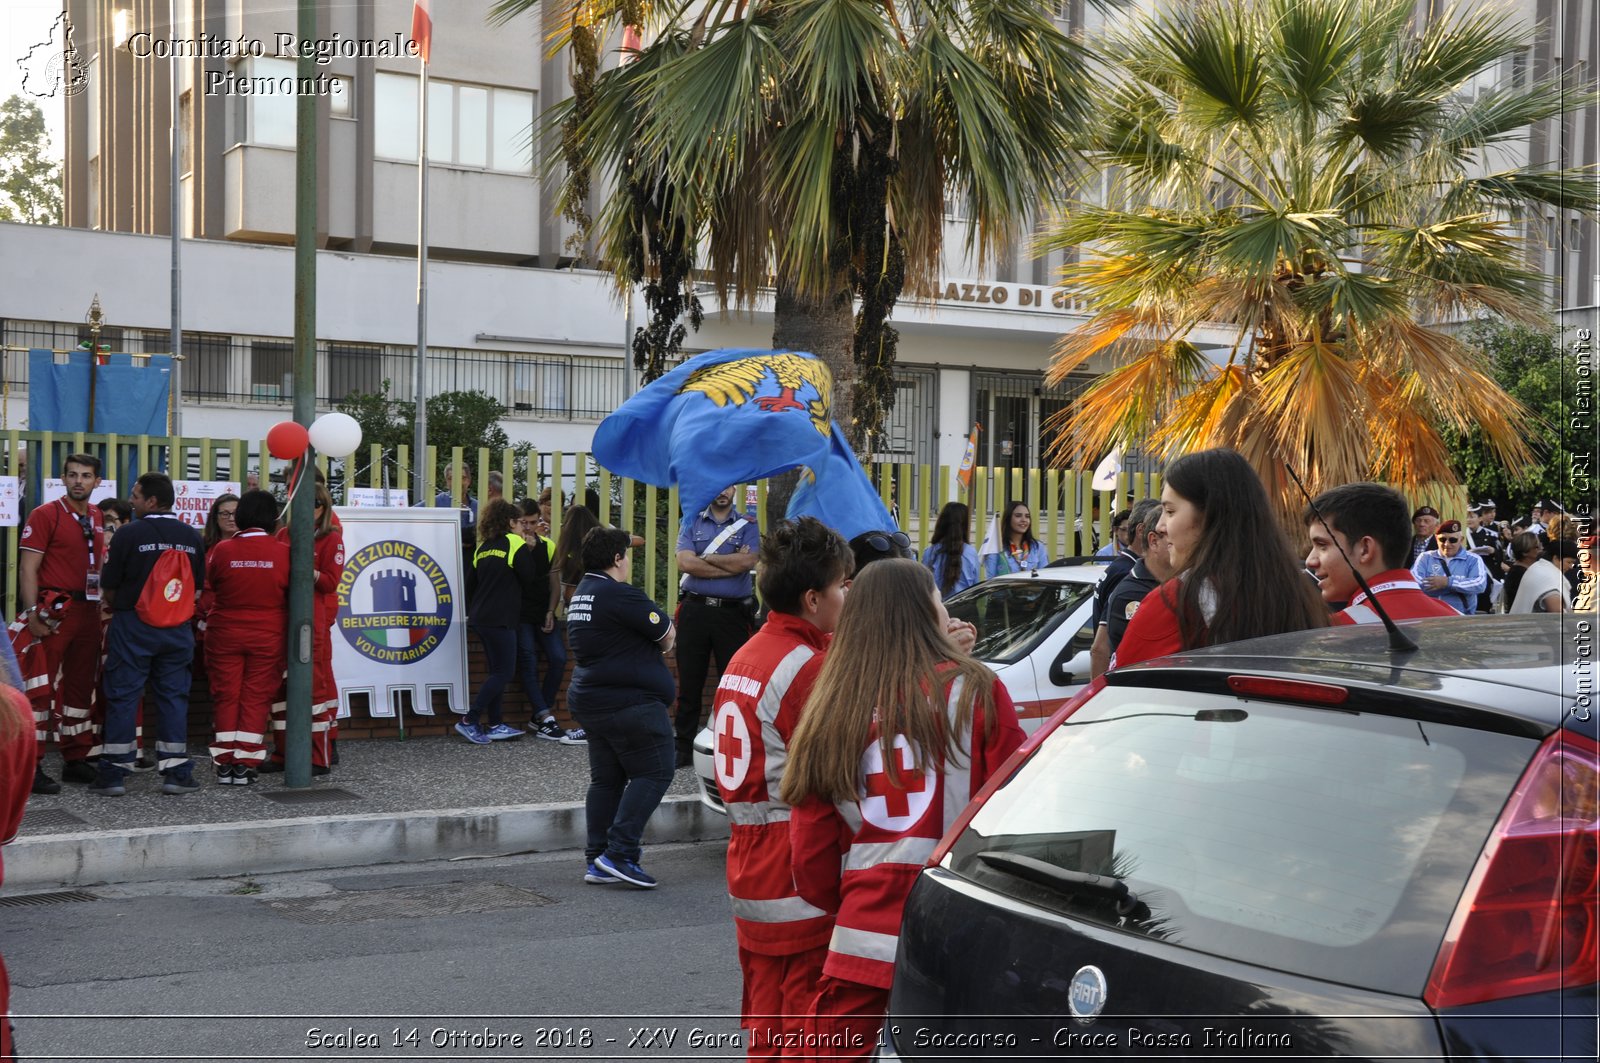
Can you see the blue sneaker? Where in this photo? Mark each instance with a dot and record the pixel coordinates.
(597, 877)
(108, 782)
(472, 734)
(179, 781)
(502, 733)
(627, 871)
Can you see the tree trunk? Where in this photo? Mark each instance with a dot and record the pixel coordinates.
(825, 327)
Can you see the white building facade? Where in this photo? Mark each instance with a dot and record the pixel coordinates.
(508, 313)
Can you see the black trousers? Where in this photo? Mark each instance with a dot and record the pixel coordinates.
(703, 631)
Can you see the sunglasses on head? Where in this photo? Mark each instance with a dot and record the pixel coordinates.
(886, 542)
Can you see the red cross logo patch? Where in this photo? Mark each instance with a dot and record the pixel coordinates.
(730, 747)
(891, 807)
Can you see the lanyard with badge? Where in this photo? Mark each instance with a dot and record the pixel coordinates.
(91, 582)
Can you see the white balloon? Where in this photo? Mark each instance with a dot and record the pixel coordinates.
(336, 434)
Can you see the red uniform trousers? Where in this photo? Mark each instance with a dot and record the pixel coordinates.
(72, 662)
(779, 992)
(324, 695)
(324, 688)
(245, 666)
(846, 1020)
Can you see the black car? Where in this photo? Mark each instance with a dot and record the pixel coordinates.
(1306, 845)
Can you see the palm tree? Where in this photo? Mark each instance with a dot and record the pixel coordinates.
(1327, 181)
(811, 148)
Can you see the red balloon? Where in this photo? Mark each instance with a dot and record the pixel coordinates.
(287, 440)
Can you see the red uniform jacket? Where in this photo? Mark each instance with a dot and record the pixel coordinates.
(1402, 597)
(860, 858)
(1153, 632)
(757, 705)
(328, 552)
(250, 575)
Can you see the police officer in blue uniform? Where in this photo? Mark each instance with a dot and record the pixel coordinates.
(717, 553)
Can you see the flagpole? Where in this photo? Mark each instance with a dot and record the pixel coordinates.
(419, 381)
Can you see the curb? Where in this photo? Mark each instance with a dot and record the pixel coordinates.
(311, 843)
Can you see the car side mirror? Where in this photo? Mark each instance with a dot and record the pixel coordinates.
(1060, 673)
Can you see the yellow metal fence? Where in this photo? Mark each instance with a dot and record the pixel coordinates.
(1070, 518)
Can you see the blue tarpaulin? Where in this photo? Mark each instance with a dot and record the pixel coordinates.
(130, 392)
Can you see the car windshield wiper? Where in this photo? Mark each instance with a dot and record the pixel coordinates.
(1062, 880)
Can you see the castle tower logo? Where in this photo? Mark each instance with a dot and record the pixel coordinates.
(395, 603)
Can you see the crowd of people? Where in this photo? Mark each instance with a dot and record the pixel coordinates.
(850, 728)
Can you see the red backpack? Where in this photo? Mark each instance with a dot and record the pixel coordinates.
(167, 599)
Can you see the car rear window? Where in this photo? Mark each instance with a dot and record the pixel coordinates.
(1327, 843)
(1012, 615)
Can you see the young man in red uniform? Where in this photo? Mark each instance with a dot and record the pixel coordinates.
(1371, 523)
(62, 548)
(804, 569)
(245, 636)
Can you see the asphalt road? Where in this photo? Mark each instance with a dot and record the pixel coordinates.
(512, 958)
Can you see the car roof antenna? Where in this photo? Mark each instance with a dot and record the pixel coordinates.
(1398, 642)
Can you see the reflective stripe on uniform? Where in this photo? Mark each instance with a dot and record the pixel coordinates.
(756, 813)
(171, 747)
(114, 748)
(166, 763)
(957, 769)
(767, 708)
(779, 910)
(864, 943)
(863, 855)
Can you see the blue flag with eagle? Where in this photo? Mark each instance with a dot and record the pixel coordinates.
(731, 416)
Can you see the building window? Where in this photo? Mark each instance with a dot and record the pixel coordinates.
(205, 366)
(394, 109)
(271, 369)
(339, 97)
(353, 369)
(186, 133)
(269, 114)
(511, 132)
(92, 120)
(541, 386)
(468, 125)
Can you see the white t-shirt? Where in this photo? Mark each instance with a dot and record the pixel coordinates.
(1539, 581)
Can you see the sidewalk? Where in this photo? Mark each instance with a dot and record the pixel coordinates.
(388, 801)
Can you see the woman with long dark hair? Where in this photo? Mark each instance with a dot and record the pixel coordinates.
(1020, 551)
(501, 564)
(328, 559)
(899, 731)
(950, 557)
(1237, 577)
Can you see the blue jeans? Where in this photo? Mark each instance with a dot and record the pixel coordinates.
(500, 659)
(137, 653)
(630, 767)
(532, 644)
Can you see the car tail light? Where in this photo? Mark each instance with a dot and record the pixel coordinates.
(1296, 690)
(1527, 921)
(1006, 770)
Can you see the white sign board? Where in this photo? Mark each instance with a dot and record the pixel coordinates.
(377, 496)
(195, 498)
(401, 622)
(55, 488)
(10, 501)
